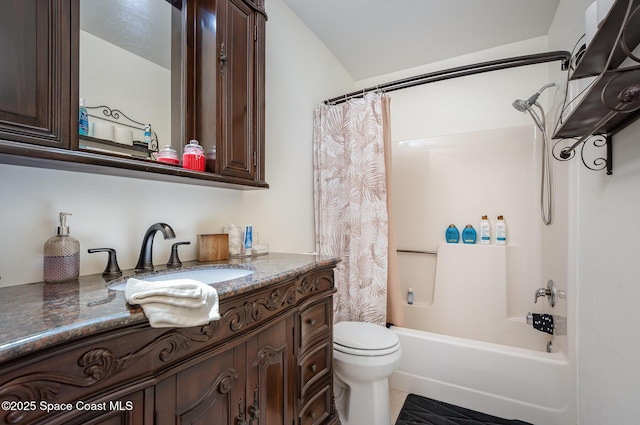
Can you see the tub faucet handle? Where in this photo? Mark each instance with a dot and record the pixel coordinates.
(551, 292)
(541, 292)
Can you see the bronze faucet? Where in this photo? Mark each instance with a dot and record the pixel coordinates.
(145, 262)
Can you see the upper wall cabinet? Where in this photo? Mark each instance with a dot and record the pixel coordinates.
(210, 87)
(35, 72)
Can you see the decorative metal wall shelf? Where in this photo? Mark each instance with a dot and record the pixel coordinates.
(118, 117)
(613, 100)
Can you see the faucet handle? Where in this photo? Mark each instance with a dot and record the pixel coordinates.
(112, 269)
(174, 260)
(551, 292)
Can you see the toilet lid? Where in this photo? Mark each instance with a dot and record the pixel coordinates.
(363, 336)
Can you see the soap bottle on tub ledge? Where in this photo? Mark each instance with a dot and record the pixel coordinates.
(485, 231)
(501, 231)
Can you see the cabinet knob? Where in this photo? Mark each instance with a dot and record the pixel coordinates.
(312, 322)
(312, 415)
(314, 367)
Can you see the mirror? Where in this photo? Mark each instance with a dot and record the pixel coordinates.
(130, 62)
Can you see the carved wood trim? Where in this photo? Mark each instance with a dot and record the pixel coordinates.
(99, 364)
(223, 384)
(264, 356)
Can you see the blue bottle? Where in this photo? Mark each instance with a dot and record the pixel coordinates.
(469, 234)
(147, 135)
(83, 119)
(453, 234)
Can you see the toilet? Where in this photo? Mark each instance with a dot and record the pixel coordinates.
(364, 356)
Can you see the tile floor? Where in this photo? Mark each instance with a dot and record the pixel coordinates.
(396, 401)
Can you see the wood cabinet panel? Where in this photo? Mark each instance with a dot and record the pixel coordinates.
(237, 45)
(36, 72)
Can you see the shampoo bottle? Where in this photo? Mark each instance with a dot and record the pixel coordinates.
(452, 234)
(501, 231)
(61, 255)
(485, 231)
(469, 234)
(83, 119)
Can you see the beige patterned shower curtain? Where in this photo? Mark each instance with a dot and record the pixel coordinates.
(351, 216)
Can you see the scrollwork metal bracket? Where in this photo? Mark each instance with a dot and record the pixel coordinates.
(591, 152)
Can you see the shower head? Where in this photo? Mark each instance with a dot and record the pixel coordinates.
(520, 105)
(524, 105)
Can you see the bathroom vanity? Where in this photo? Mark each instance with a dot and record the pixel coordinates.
(77, 353)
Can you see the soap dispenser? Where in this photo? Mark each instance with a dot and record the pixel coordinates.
(61, 255)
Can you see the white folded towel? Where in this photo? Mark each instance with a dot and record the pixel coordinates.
(174, 303)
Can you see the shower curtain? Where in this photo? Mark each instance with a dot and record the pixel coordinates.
(351, 217)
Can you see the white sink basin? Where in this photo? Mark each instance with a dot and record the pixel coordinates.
(208, 275)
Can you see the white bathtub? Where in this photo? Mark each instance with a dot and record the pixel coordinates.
(500, 380)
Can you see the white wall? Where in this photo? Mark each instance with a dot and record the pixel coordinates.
(115, 212)
(605, 219)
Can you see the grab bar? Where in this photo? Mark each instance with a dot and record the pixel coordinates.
(411, 251)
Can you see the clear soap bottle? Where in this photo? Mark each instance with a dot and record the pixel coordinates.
(61, 255)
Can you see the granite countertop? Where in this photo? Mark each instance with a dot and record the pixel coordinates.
(39, 315)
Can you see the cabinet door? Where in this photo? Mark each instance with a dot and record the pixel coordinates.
(210, 392)
(133, 409)
(237, 154)
(271, 374)
(35, 72)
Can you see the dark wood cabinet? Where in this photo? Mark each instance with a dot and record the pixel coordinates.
(240, 131)
(221, 88)
(267, 360)
(36, 72)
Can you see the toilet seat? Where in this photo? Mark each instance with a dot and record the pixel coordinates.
(364, 339)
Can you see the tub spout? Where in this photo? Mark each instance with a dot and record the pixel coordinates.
(145, 261)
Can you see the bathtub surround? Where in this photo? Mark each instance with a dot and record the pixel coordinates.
(351, 204)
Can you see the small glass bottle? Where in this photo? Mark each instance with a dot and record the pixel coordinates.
(193, 156)
(410, 296)
(168, 155)
(61, 255)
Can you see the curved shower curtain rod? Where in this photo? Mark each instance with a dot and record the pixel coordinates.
(461, 71)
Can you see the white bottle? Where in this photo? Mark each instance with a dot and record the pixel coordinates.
(485, 231)
(501, 231)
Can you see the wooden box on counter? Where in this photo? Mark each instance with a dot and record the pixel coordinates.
(213, 247)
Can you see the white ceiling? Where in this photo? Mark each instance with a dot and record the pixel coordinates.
(368, 37)
(376, 37)
(142, 27)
